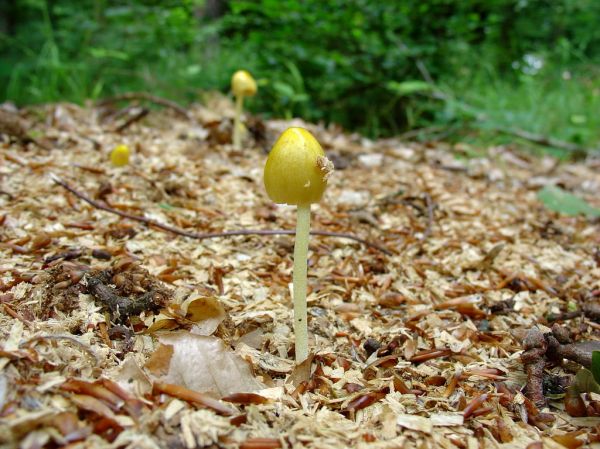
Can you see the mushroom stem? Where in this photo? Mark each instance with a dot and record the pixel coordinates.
(237, 123)
(299, 280)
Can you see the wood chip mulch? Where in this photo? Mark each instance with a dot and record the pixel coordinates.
(115, 333)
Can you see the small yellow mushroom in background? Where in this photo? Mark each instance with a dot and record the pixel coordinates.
(296, 173)
(119, 156)
(242, 85)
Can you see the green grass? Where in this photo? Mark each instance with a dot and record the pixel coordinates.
(558, 103)
(561, 104)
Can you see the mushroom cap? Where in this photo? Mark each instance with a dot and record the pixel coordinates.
(296, 171)
(119, 156)
(242, 84)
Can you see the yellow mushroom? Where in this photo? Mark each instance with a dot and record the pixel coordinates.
(296, 173)
(242, 85)
(119, 156)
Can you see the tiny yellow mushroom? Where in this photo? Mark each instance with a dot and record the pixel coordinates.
(296, 173)
(242, 85)
(119, 156)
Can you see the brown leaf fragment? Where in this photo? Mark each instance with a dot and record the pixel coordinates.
(245, 398)
(489, 257)
(502, 431)
(535, 445)
(261, 443)
(452, 384)
(160, 361)
(352, 387)
(95, 389)
(574, 404)
(195, 397)
(101, 254)
(569, 440)
(391, 300)
(92, 404)
(70, 427)
(301, 372)
(474, 405)
(237, 421)
(364, 400)
(429, 354)
(465, 305)
(436, 381)
(489, 373)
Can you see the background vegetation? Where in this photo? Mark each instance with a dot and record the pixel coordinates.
(448, 67)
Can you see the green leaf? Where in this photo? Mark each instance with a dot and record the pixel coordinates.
(559, 200)
(585, 383)
(596, 366)
(408, 87)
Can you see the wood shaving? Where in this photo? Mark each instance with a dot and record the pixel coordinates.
(418, 348)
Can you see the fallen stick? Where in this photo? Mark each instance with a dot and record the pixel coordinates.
(544, 140)
(121, 306)
(134, 118)
(14, 126)
(128, 96)
(210, 235)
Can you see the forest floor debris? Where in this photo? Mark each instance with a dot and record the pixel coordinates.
(465, 332)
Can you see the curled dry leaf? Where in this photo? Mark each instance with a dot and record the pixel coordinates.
(202, 364)
(203, 313)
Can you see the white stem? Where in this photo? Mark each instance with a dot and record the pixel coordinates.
(299, 280)
(237, 123)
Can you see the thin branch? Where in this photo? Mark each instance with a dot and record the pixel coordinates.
(209, 235)
(543, 140)
(69, 338)
(430, 216)
(148, 97)
(134, 118)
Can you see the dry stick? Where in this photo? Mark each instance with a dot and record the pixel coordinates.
(70, 338)
(430, 216)
(136, 117)
(151, 98)
(14, 126)
(543, 140)
(210, 235)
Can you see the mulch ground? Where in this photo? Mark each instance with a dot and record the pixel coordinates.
(115, 332)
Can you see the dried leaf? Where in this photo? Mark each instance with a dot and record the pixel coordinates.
(202, 364)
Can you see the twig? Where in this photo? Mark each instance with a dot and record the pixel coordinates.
(543, 140)
(14, 126)
(589, 310)
(210, 235)
(420, 131)
(69, 338)
(534, 359)
(135, 117)
(550, 349)
(430, 217)
(151, 98)
(195, 397)
(13, 313)
(122, 306)
(561, 347)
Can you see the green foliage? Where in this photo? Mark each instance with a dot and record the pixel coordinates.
(372, 66)
(585, 382)
(561, 201)
(596, 366)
